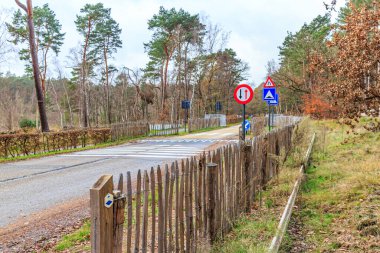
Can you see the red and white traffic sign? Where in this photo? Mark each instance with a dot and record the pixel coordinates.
(269, 83)
(243, 94)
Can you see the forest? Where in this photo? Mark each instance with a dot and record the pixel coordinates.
(327, 69)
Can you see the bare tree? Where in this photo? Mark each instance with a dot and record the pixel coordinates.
(66, 94)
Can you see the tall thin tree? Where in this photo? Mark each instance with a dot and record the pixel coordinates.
(36, 72)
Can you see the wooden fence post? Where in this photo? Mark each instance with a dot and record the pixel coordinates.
(211, 181)
(118, 214)
(247, 150)
(101, 216)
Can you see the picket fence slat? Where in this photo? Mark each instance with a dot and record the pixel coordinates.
(144, 244)
(161, 214)
(153, 208)
(170, 207)
(129, 222)
(177, 245)
(138, 212)
(166, 208)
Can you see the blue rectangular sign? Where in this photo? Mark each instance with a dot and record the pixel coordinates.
(274, 101)
(269, 94)
(185, 104)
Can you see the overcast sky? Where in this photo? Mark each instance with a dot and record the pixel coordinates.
(257, 27)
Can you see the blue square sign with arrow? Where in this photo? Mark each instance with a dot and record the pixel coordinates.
(269, 94)
(247, 125)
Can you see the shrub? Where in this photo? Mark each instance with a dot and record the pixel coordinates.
(27, 123)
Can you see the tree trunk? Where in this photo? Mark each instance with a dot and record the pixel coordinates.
(68, 103)
(84, 79)
(36, 71)
(107, 88)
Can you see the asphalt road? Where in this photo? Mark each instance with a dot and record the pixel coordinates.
(31, 186)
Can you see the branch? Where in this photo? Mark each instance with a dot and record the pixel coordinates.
(22, 6)
(134, 81)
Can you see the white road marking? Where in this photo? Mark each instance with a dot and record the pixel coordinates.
(148, 155)
(188, 140)
(149, 150)
(152, 148)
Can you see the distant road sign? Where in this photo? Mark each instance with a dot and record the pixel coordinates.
(247, 125)
(269, 83)
(185, 104)
(243, 94)
(269, 94)
(218, 106)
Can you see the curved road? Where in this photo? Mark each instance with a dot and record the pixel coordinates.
(31, 186)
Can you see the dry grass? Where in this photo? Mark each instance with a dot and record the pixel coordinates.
(341, 197)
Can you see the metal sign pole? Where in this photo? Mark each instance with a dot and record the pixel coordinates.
(185, 119)
(243, 125)
(269, 117)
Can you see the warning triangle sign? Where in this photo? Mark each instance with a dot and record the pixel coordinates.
(269, 96)
(269, 83)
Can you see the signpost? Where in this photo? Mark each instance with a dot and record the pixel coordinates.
(186, 107)
(270, 96)
(243, 94)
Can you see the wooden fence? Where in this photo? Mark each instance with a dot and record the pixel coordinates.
(129, 130)
(187, 205)
(197, 124)
(164, 128)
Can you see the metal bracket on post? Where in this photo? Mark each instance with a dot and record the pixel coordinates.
(269, 117)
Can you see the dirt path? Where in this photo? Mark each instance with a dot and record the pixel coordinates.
(40, 231)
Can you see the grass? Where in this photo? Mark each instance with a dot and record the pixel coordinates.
(340, 193)
(249, 229)
(80, 236)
